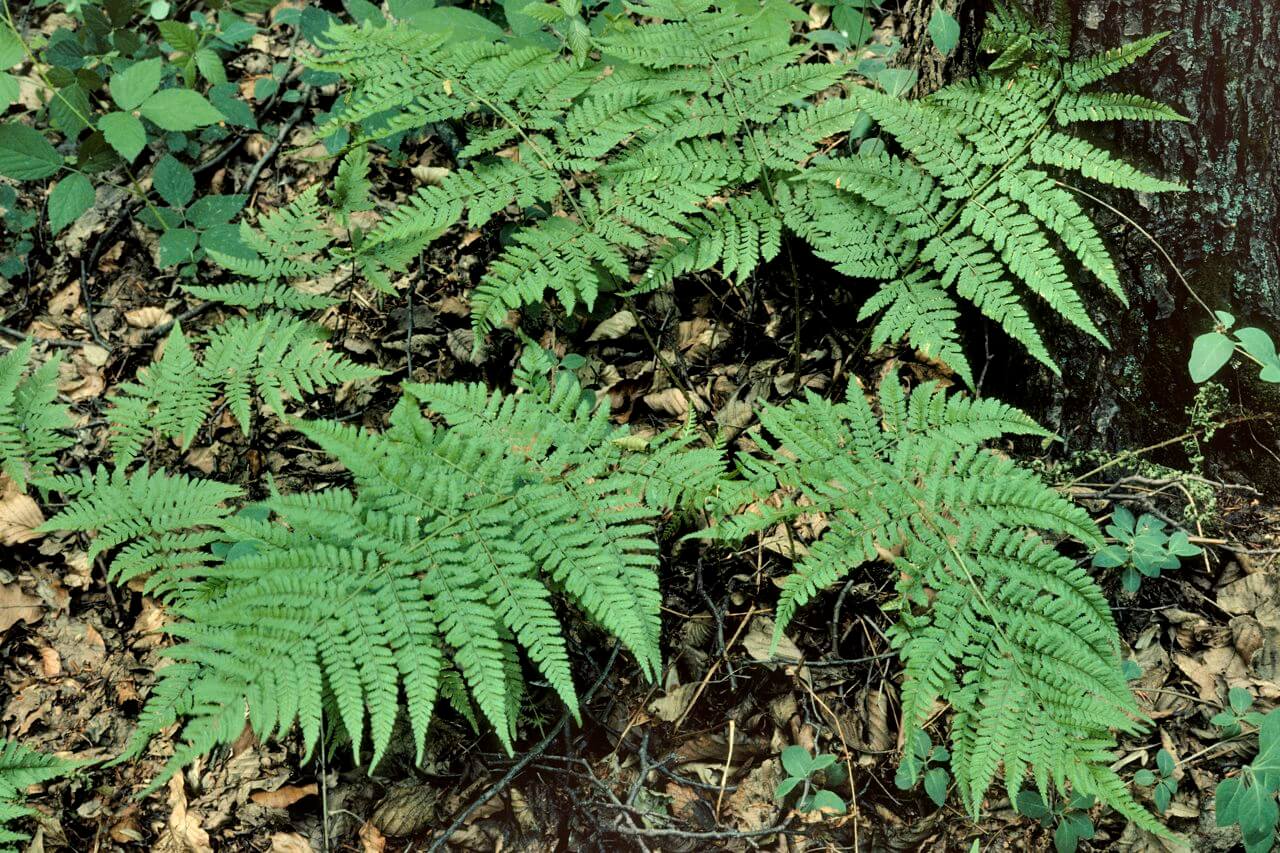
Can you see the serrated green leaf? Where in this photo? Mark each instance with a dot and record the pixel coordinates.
(173, 181)
(176, 245)
(180, 110)
(1030, 804)
(133, 85)
(179, 36)
(786, 786)
(70, 197)
(25, 155)
(124, 133)
(1144, 778)
(936, 782)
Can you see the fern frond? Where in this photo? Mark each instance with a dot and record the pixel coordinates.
(169, 398)
(31, 425)
(994, 620)
(165, 522)
(20, 768)
(1089, 70)
(1112, 106)
(454, 543)
(1077, 155)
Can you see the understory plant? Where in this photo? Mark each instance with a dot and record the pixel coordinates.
(20, 768)
(430, 577)
(688, 136)
(993, 620)
(32, 426)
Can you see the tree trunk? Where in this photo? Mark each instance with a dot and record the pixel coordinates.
(1221, 67)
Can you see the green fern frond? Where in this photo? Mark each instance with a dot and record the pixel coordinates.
(169, 398)
(1077, 155)
(20, 768)
(257, 294)
(1112, 106)
(31, 425)
(454, 544)
(994, 620)
(164, 522)
(1091, 69)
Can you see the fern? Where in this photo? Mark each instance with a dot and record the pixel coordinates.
(20, 768)
(273, 355)
(454, 544)
(1016, 637)
(30, 424)
(165, 522)
(694, 138)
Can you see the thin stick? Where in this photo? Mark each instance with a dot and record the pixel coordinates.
(724, 774)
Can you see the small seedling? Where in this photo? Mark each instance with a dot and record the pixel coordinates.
(1249, 799)
(1239, 701)
(1143, 546)
(1212, 350)
(1161, 778)
(920, 753)
(1074, 823)
(815, 772)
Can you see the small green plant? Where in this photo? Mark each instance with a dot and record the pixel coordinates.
(1143, 546)
(815, 773)
(1016, 637)
(1212, 350)
(1249, 799)
(919, 753)
(21, 768)
(1239, 703)
(1162, 778)
(430, 577)
(1072, 818)
(31, 425)
(116, 85)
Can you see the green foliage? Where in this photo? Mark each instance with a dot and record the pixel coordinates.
(688, 145)
(21, 768)
(1072, 818)
(440, 566)
(273, 355)
(1212, 350)
(1143, 546)
(1239, 703)
(31, 425)
(918, 754)
(1165, 785)
(811, 773)
(127, 100)
(165, 522)
(1249, 800)
(1015, 636)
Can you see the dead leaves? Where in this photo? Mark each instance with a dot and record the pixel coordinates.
(183, 832)
(20, 515)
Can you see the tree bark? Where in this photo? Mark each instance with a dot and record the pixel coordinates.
(1221, 67)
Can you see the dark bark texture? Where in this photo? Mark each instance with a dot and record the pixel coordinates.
(1221, 67)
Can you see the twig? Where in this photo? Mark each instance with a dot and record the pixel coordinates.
(525, 760)
(269, 155)
(704, 836)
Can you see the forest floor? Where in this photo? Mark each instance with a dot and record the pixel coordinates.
(699, 751)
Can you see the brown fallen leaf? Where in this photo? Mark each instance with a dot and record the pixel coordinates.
(148, 317)
(20, 515)
(284, 796)
(184, 833)
(290, 842)
(16, 606)
(371, 839)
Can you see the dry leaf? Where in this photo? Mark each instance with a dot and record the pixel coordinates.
(759, 641)
(19, 516)
(671, 707)
(673, 402)
(283, 797)
(614, 327)
(371, 839)
(406, 809)
(16, 606)
(148, 317)
(184, 833)
(290, 842)
(431, 175)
